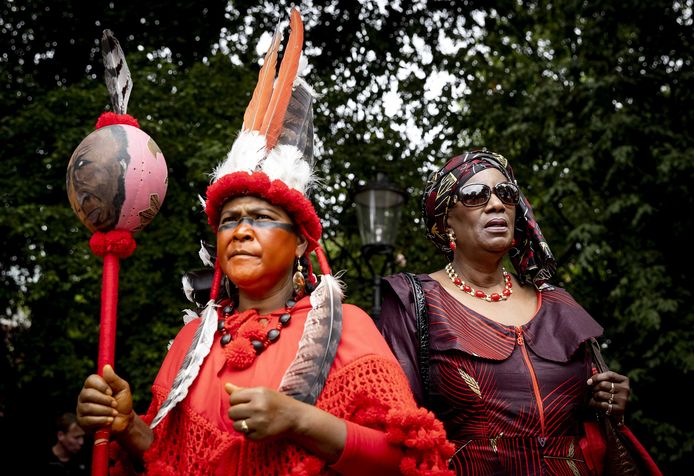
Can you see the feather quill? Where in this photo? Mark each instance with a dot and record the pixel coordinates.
(255, 111)
(116, 72)
(199, 348)
(306, 376)
(282, 92)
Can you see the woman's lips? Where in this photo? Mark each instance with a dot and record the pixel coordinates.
(241, 253)
(497, 222)
(496, 225)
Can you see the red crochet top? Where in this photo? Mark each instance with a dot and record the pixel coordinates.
(366, 386)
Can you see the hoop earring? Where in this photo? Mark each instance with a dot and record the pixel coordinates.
(451, 240)
(298, 280)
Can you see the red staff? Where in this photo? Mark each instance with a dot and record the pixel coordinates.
(116, 183)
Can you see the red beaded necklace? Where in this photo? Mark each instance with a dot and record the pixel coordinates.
(244, 337)
(492, 297)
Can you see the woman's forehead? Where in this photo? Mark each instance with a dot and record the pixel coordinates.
(248, 203)
(487, 176)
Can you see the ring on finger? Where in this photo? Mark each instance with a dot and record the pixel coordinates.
(609, 409)
(611, 387)
(611, 400)
(244, 426)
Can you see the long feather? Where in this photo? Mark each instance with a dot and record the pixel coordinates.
(306, 376)
(297, 128)
(255, 111)
(199, 348)
(282, 92)
(117, 75)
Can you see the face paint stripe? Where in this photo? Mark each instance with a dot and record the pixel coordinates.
(231, 225)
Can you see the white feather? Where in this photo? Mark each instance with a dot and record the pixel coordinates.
(205, 256)
(303, 65)
(199, 348)
(187, 287)
(285, 163)
(189, 315)
(245, 155)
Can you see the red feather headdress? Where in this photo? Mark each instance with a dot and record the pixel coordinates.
(276, 141)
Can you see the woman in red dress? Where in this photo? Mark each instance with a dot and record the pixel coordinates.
(276, 376)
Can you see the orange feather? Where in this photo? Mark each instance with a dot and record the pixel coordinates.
(282, 93)
(253, 117)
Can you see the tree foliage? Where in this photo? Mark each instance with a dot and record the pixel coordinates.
(591, 102)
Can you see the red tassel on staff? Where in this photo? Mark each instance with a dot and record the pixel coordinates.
(113, 246)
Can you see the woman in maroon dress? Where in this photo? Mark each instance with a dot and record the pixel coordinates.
(506, 363)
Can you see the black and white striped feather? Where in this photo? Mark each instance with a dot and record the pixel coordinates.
(199, 348)
(116, 74)
(297, 128)
(306, 376)
(291, 160)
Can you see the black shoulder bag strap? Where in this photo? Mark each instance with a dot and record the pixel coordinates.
(422, 321)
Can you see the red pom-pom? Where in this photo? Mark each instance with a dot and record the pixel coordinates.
(254, 330)
(111, 118)
(240, 354)
(116, 242)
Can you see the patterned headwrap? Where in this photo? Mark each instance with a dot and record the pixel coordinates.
(530, 255)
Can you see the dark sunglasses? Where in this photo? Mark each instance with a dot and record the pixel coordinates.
(477, 194)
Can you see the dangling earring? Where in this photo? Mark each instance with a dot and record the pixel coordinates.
(451, 238)
(227, 285)
(298, 280)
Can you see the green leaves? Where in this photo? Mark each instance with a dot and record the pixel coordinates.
(591, 102)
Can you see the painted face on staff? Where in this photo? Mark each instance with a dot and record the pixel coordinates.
(257, 245)
(96, 178)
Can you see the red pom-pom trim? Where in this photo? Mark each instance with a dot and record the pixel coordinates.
(157, 467)
(309, 466)
(111, 118)
(116, 242)
(258, 184)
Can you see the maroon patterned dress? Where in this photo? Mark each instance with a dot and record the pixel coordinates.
(511, 398)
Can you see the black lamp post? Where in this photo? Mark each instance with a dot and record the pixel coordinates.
(379, 204)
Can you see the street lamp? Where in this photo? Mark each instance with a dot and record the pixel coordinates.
(379, 204)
